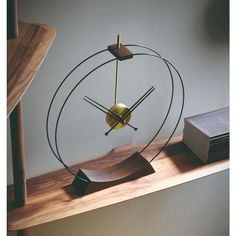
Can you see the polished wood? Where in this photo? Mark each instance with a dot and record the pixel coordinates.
(51, 196)
(18, 156)
(91, 180)
(121, 53)
(24, 57)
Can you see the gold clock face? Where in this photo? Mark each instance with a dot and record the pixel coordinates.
(119, 109)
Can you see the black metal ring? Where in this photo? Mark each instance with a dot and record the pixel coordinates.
(168, 64)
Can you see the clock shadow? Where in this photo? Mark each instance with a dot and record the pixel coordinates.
(182, 157)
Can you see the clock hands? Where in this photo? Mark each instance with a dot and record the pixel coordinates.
(119, 114)
(100, 106)
(140, 100)
(109, 112)
(132, 108)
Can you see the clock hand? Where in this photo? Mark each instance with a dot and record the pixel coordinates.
(118, 118)
(109, 112)
(140, 100)
(133, 107)
(112, 113)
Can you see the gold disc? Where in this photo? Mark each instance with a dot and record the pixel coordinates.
(120, 109)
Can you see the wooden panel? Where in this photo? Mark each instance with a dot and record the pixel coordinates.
(89, 181)
(51, 196)
(121, 53)
(24, 56)
(18, 155)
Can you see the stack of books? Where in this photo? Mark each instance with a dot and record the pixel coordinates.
(207, 135)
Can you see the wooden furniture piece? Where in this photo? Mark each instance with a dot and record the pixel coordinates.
(89, 181)
(25, 55)
(52, 197)
(121, 53)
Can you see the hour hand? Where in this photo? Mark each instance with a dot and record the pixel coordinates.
(140, 100)
(103, 109)
(108, 112)
(133, 107)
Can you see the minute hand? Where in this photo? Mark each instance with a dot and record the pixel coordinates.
(133, 107)
(138, 102)
(107, 111)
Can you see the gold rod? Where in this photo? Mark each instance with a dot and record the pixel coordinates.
(117, 71)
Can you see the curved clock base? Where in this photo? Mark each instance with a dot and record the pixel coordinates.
(89, 181)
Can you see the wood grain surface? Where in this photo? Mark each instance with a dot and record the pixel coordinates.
(121, 53)
(88, 181)
(24, 57)
(51, 196)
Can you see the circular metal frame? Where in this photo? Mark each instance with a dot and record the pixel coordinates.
(152, 53)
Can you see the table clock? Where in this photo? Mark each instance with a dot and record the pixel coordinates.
(117, 116)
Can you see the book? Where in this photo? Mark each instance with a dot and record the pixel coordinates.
(207, 134)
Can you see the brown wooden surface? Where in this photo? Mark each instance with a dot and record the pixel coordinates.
(89, 181)
(51, 196)
(24, 56)
(18, 155)
(121, 53)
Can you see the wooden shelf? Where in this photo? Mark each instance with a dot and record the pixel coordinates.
(24, 57)
(51, 197)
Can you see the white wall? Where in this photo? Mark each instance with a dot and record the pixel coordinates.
(189, 33)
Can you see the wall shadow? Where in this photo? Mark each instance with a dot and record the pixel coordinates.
(217, 21)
